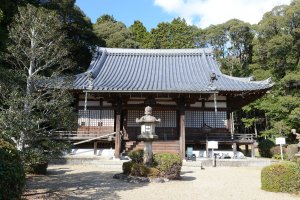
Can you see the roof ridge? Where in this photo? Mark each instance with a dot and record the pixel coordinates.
(157, 51)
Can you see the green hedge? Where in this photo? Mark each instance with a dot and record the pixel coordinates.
(281, 177)
(264, 148)
(12, 176)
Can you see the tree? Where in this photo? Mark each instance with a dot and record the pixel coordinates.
(176, 34)
(114, 33)
(79, 32)
(37, 49)
(140, 34)
(232, 44)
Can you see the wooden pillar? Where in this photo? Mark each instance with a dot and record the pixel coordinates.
(252, 150)
(234, 148)
(95, 147)
(118, 136)
(182, 132)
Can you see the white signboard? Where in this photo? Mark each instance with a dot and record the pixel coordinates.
(280, 140)
(212, 145)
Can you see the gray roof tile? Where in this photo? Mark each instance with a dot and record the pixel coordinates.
(157, 70)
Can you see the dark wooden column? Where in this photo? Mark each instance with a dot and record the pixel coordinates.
(182, 132)
(118, 110)
(118, 136)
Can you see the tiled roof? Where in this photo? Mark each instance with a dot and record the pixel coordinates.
(157, 70)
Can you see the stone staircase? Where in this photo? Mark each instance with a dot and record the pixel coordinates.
(171, 146)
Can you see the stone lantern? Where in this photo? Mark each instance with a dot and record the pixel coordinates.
(148, 135)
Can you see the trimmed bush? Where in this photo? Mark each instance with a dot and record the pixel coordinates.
(264, 148)
(12, 176)
(135, 169)
(281, 177)
(153, 172)
(168, 164)
(136, 156)
(126, 167)
(291, 150)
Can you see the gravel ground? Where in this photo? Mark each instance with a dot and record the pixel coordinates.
(92, 182)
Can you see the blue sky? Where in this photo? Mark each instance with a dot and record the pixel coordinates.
(201, 13)
(126, 11)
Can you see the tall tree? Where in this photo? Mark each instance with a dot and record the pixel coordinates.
(37, 49)
(177, 34)
(79, 32)
(140, 34)
(114, 33)
(232, 43)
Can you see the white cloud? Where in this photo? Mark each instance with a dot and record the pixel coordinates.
(218, 11)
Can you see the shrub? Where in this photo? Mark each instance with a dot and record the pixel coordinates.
(276, 150)
(135, 169)
(282, 177)
(126, 167)
(291, 150)
(278, 156)
(12, 176)
(168, 164)
(35, 161)
(264, 148)
(136, 156)
(153, 172)
(139, 170)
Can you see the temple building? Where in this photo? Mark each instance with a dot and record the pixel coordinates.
(184, 87)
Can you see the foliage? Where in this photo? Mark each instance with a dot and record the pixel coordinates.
(135, 169)
(232, 44)
(114, 33)
(140, 34)
(264, 148)
(176, 34)
(136, 156)
(291, 150)
(30, 114)
(282, 177)
(79, 32)
(276, 150)
(168, 164)
(12, 176)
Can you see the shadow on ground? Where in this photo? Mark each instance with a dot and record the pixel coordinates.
(62, 183)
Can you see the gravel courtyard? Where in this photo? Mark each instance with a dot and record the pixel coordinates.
(92, 182)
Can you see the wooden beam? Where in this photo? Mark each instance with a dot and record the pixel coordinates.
(118, 137)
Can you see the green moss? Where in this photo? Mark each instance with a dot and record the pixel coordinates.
(282, 177)
(12, 176)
